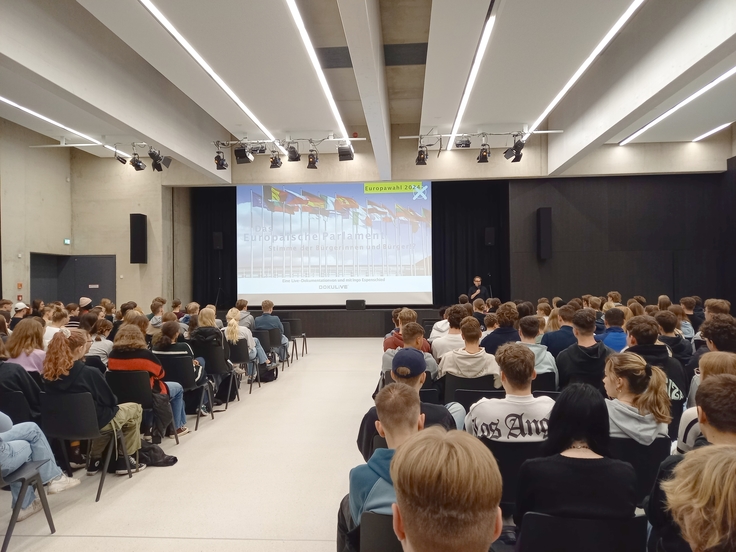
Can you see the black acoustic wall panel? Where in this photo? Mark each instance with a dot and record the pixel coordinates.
(217, 241)
(490, 236)
(138, 238)
(544, 233)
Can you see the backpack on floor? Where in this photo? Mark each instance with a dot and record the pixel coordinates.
(269, 375)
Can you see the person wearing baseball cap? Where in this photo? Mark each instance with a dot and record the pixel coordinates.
(20, 311)
(408, 367)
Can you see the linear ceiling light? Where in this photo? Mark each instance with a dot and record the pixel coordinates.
(587, 63)
(117, 151)
(683, 103)
(717, 129)
(317, 67)
(482, 46)
(204, 65)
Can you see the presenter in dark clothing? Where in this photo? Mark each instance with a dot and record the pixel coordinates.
(478, 291)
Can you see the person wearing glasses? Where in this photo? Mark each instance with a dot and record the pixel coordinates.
(477, 291)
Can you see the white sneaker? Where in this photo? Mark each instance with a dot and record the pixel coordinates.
(62, 483)
(34, 508)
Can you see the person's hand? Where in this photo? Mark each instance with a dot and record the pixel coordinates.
(195, 362)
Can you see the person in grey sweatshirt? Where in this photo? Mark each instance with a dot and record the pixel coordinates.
(640, 406)
(544, 362)
(246, 318)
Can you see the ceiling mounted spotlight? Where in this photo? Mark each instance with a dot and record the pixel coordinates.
(463, 142)
(345, 152)
(120, 158)
(422, 155)
(258, 148)
(220, 161)
(293, 151)
(275, 159)
(138, 165)
(158, 161)
(514, 153)
(242, 155)
(484, 153)
(313, 159)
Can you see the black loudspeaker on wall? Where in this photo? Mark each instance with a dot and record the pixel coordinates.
(490, 236)
(138, 238)
(217, 240)
(355, 304)
(544, 233)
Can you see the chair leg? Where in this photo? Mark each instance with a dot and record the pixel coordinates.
(212, 399)
(229, 387)
(67, 466)
(237, 391)
(105, 464)
(304, 344)
(16, 511)
(121, 446)
(38, 484)
(201, 402)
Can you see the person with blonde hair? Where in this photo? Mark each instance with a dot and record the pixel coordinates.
(702, 498)
(25, 345)
(639, 406)
(448, 490)
(553, 321)
(234, 332)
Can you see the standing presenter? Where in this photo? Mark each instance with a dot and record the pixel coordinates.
(478, 291)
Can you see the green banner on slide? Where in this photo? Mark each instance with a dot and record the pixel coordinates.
(391, 187)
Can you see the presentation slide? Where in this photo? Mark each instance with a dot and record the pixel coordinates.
(321, 244)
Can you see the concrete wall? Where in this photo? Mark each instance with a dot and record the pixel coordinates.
(35, 204)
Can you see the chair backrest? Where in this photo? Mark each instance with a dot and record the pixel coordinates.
(274, 336)
(15, 405)
(287, 329)
(37, 377)
(296, 326)
(95, 362)
(428, 325)
(510, 457)
(429, 396)
(178, 368)
(377, 533)
(453, 383)
(468, 397)
(71, 416)
(378, 442)
(264, 338)
(131, 386)
(544, 382)
(214, 358)
(543, 533)
(551, 394)
(645, 459)
(239, 352)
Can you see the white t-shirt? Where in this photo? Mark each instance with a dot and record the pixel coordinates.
(515, 419)
(448, 342)
(101, 349)
(49, 334)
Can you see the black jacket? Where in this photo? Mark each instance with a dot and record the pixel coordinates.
(559, 340)
(578, 364)
(85, 379)
(208, 336)
(681, 349)
(13, 377)
(697, 318)
(498, 337)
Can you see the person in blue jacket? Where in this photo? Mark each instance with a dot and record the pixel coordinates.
(614, 337)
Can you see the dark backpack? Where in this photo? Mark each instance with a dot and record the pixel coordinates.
(269, 375)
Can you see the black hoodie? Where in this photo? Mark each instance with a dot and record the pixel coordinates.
(681, 348)
(85, 379)
(207, 336)
(578, 364)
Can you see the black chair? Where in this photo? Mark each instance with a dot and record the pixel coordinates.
(179, 368)
(551, 394)
(509, 457)
(95, 362)
(294, 355)
(431, 396)
(377, 533)
(428, 324)
(215, 364)
(468, 397)
(240, 356)
(26, 475)
(72, 417)
(15, 405)
(645, 459)
(543, 533)
(264, 337)
(274, 336)
(544, 382)
(134, 386)
(378, 443)
(453, 383)
(298, 331)
(37, 377)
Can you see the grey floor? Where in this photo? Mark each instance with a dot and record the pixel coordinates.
(267, 475)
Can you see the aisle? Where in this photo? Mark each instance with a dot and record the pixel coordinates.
(266, 476)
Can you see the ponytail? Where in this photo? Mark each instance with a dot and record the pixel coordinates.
(59, 358)
(168, 334)
(231, 332)
(647, 383)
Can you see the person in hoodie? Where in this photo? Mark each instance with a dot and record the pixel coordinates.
(207, 335)
(559, 340)
(639, 407)
(683, 323)
(472, 361)
(585, 361)
(441, 327)
(395, 339)
(65, 372)
(681, 348)
(452, 339)
(371, 487)
(244, 317)
(696, 319)
(155, 321)
(642, 334)
(544, 362)
(614, 336)
(507, 315)
(413, 335)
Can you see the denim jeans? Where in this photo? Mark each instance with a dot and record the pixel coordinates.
(176, 398)
(22, 443)
(259, 352)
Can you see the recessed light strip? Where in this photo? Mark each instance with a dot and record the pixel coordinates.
(587, 63)
(717, 129)
(680, 105)
(317, 67)
(204, 65)
(117, 151)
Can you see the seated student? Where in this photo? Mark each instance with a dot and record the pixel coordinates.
(235, 331)
(26, 346)
(683, 322)
(59, 319)
(13, 377)
(479, 312)
(269, 321)
(394, 320)
(702, 498)
(244, 317)
(719, 333)
(639, 407)
(575, 478)
(453, 339)
(101, 346)
(544, 362)
(395, 340)
(681, 348)
(543, 309)
(20, 311)
(716, 413)
(120, 318)
(642, 333)
(583, 362)
(711, 364)
(371, 490)
(519, 417)
(408, 368)
(463, 299)
(614, 336)
(218, 323)
(559, 340)
(413, 335)
(595, 304)
(506, 332)
(696, 319)
(130, 352)
(25, 442)
(440, 327)
(471, 361)
(495, 303)
(448, 491)
(155, 321)
(490, 321)
(192, 309)
(176, 308)
(65, 372)
(74, 314)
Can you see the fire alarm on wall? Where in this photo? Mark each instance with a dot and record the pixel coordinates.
(20, 297)
(20, 285)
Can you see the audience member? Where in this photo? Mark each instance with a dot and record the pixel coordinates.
(614, 297)
(636, 308)
(413, 335)
(25, 345)
(37, 306)
(206, 335)
(3, 329)
(463, 299)
(663, 302)
(595, 304)
(394, 320)
(558, 341)
(543, 309)
(85, 305)
(396, 340)
(641, 300)
(544, 362)
(525, 308)
(553, 322)
(453, 339)
(585, 361)
(109, 308)
(495, 303)
(650, 310)
(683, 322)
(244, 317)
(479, 308)
(5, 309)
(124, 308)
(614, 336)
(155, 320)
(218, 323)
(269, 321)
(696, 319)
(506, 332)
(490, 321)
(477, 291)
(20, 311)
(519, 417)
(557, 302)
(235, 331)
(448, 491)
(101, 346)
(87, 320)
(13, 377)
(681, 348)
(441, 327)
(719, 333)
(471, 361)
(176, 308)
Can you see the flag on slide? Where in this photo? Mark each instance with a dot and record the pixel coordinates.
(342, 202)
(294, 198)
(414, 227)
(270, 205)
(309, 210)
(274, 194)
(329, 202)
(314, 200)
(257, 200)
(284, 208)
(402, 213)
(426, 216)
(375, 208)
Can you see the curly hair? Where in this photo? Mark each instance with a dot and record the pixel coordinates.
(507, 315)
(27, 336)
(129, 336)
(59, 358)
